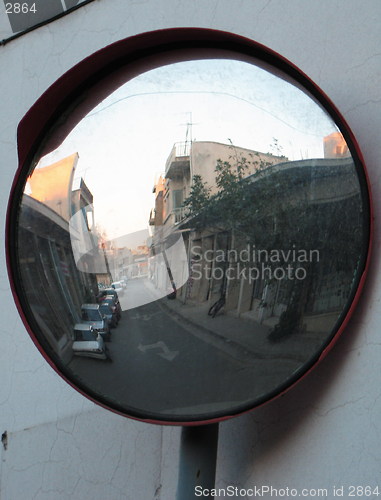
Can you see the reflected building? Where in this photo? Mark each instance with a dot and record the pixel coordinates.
(127, 256)
(122, 258)
(335, 146)
(186, 161)
(246, 251)
(52, 185)
(199, 158)
(157, 213)
(55, 287)
(140, 262)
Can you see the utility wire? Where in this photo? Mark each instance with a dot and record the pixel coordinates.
(200, 92)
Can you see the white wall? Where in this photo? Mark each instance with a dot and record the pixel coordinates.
(326, 432)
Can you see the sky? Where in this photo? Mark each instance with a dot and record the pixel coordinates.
(124, 142)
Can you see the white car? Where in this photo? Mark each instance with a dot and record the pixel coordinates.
(88, 343)
(118, 287)
(91, 315)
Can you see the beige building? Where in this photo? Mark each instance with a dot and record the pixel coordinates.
(186, 160)
(198, 158)
(52, 185)
(335, 146)
(293, 200)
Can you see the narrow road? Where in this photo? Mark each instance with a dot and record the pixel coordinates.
(160, 367)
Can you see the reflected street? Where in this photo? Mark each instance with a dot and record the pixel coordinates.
(183, 279)
(155, 353)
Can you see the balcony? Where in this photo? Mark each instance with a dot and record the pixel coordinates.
(179, 214)
(152, 217)
(178, 162)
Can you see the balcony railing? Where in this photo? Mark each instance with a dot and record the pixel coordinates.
(152, 217)
(179, 155)
(180, 214)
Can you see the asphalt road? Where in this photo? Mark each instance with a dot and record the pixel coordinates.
(161, 367)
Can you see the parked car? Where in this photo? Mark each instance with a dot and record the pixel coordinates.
(118, 287)
(88, 343)
(114, 294)
(114, 304)
(101, 294)
(109, 310)
(91, 315)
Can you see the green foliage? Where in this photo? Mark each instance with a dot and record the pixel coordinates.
(271, 208)
(276, 208)
(199, 196)
(230, 206)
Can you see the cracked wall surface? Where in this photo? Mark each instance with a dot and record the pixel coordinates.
(324, 432)
(92, 454)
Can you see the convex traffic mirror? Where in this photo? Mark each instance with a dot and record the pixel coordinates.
(191, 246)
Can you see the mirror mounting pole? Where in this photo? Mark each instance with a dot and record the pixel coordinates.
(198, 455)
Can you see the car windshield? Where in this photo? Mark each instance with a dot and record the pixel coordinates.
(91, 315)
(109, 301)
(105, 309)
(84, 335)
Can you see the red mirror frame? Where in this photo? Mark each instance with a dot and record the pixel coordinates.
(97, 76)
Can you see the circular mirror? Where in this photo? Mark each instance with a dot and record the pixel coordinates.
(194, 244)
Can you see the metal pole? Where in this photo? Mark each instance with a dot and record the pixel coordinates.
(198, 455)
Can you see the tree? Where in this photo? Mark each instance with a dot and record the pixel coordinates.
(286, 207)
(231, 198)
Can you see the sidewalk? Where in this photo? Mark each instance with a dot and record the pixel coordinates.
(242, 338)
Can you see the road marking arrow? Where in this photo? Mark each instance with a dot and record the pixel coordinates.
(144, 317)
(166, 352)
